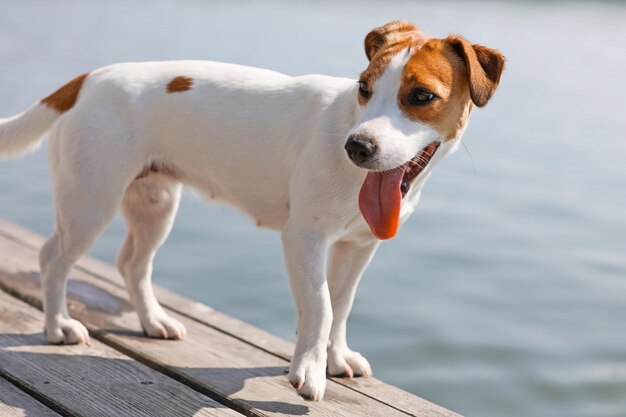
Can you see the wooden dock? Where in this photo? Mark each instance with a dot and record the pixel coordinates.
(225, 367)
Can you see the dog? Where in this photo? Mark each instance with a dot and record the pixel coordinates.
(335, 165)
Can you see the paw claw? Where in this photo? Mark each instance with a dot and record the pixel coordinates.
(346, 363)
(308, 377)
(66, 331)
(164, 327)
(297, 384)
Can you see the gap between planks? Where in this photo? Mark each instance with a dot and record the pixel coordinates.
(16, 403)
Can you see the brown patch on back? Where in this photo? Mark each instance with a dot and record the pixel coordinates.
(179, 84)
(65, 97)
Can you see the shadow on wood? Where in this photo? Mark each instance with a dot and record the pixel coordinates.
(73, 370)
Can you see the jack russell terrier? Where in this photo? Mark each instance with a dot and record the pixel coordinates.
(335, 165)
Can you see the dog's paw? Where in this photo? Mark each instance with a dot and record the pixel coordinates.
(67, 331)
(308, 377)
(163, 326)
(346, 363)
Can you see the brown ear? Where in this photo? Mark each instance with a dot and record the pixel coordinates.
(484, 67)
(395, 32)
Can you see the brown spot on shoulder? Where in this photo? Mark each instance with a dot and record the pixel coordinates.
(65, 97)
(179, 84)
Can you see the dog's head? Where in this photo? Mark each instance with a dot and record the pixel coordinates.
(415, 96)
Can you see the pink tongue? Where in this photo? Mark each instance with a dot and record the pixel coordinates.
(380, 200)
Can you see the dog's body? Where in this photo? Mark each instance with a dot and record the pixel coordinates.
(130, 134)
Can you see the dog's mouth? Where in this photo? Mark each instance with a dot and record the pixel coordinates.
(380, 198)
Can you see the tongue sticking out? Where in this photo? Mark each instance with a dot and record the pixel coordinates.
(380, 200)
(381, 194)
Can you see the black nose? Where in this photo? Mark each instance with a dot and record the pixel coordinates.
(360, 148)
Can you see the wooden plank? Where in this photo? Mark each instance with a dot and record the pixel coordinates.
(16, 403)
(391, 396)
(93, 380)
(211, 362)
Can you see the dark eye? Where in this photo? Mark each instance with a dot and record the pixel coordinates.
(420, 97)
(364, 90)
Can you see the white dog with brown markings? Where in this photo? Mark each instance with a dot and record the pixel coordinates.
(333, 164)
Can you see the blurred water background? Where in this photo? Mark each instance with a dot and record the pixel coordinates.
(505, 294)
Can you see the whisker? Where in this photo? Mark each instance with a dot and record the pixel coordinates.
(470, 155)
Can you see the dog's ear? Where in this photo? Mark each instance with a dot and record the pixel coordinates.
(398, 31)
(484, 67)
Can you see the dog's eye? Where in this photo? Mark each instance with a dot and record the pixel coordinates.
(364, 90)
(420, 97)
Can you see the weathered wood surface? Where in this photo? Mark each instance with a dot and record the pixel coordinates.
(16, 403)
(93, 380)
(242, 366)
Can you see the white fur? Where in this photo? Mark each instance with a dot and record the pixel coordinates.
(22, 133)
(269, 144)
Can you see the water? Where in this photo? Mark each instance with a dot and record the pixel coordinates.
(504, 295)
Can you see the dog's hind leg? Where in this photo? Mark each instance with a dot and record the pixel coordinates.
(149, 206)
(89, 176)
(347, 262)
(85, 204)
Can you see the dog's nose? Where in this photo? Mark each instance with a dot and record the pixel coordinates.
(360, 148)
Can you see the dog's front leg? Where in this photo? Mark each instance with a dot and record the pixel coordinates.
(305, 258)
(347, 262)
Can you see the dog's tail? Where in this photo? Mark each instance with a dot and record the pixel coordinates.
(24, 132)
